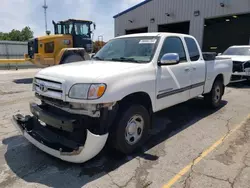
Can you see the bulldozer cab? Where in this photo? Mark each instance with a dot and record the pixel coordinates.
(80, 30)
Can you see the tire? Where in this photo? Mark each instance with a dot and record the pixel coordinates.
(130, 129)
(72, 58)
(213, 99)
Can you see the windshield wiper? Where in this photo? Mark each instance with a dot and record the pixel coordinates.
(126, 59)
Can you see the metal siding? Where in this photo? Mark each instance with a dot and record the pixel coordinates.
(183, 11)
(12, 49)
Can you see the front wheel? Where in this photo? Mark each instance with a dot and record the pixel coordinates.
(131, 130)
(213, 99)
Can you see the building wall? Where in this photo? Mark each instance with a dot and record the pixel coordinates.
(180, 10)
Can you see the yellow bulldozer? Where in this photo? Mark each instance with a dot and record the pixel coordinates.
(70, 42)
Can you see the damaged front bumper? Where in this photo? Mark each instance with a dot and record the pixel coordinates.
(64, 136)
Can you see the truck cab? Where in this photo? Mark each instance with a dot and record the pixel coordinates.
(80, 30)
(112, 97)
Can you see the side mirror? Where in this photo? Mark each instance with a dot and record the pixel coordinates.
(169, 59)
(219, 54)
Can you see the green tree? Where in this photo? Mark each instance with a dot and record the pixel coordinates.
(27, 33)
(16, 35)
(4, 36)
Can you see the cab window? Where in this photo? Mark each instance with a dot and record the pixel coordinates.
(49, 47)
(173, 45)
(192, 49)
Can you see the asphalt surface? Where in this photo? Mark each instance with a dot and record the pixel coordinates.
(172, 156)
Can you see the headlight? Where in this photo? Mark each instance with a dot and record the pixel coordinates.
(87, 91)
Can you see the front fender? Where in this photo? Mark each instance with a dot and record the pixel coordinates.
(133, 82)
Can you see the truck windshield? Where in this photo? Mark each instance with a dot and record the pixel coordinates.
(244, 51)
(131, 49)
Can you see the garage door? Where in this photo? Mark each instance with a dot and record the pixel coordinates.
(182, 27)
(139, 30)
(220, 33)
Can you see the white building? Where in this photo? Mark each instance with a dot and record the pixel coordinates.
(216, 24)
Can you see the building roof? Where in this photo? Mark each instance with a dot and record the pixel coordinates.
(131, 8)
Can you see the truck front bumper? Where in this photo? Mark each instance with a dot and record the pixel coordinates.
(53, 142)
(240, 76)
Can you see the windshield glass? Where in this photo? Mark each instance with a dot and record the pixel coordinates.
(244, 51)
(132, 49)
(64, 29)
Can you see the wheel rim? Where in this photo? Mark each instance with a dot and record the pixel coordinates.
(134, 129)
(217, 94)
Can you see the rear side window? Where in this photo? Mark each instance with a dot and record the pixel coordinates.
(173, 45)
(192, 49)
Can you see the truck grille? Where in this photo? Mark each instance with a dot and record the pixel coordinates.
(48, 88)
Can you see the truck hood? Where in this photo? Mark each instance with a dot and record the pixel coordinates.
(237, 57)
(85, 71)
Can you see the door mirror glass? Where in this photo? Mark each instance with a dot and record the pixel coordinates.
(169, 59)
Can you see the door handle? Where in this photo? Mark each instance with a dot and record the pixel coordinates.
(194, 68)
(187, 69)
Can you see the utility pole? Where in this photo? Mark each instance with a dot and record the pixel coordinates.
(45, 15)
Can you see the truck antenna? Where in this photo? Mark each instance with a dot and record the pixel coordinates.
(45, 15)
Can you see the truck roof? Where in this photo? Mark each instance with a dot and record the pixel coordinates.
(153, 34)
(74, 20)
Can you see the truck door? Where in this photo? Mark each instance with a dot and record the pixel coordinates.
(198, 70)
(173, 81)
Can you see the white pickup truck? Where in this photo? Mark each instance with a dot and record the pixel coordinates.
(113, 96)
(240, 56)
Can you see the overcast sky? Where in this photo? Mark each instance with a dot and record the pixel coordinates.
(16, 14)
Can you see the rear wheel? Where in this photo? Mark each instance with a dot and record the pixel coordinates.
(213, 99)
(72, 58)
(131, 129)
